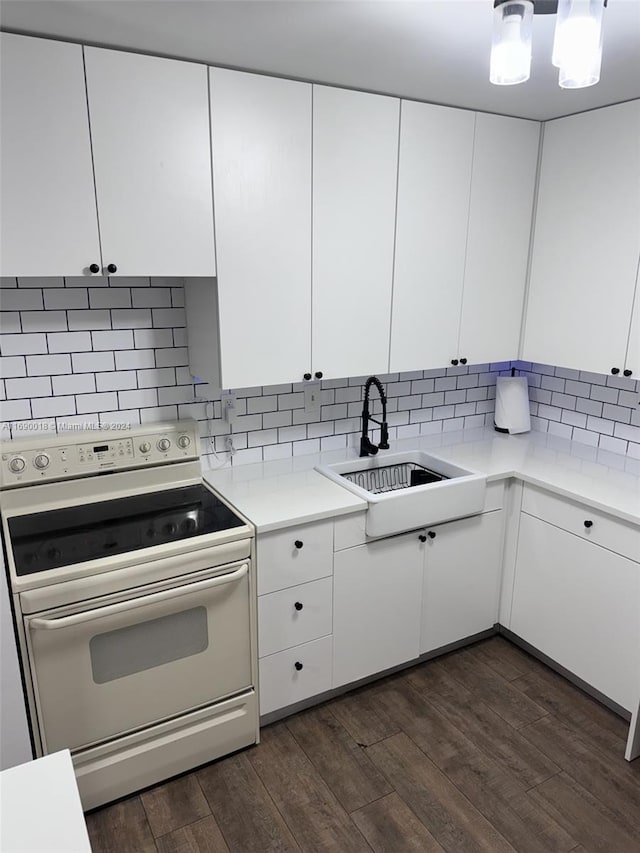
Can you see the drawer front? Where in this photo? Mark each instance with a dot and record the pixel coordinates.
(618, 536)
(294, 616)
(294, 555)
(283, 684)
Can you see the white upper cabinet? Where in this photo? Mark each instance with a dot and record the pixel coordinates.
(48, 224)
(434, 179)
(152, 160)
(505, 160)
(261, 133)
(355, 160)
(587, 240)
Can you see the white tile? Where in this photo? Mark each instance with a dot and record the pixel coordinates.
(23, 344)
(623, 382)
(564, 401)
(292, 433)
(96, 402)
(469, 381)
(111, 420)
(584, 436)
(137, 399)
(44, 321)
(291, 401)
(39, 281)
(86, 281)
(604, 394)
(254, 391)
(78, 422)
(589, 407)
(10, 322)
(616, 413)
(441, 413)
(163, 317)
(628, 433)
(153, 338)
(485, 406)
(300, 416)
(333, 442)
(119, 339)
(455, 397)
(184, 377)
(35, 386)
(551, 413)
(51, 407)
(159, 413)
(320, 430)
(578, 389)
(423, 386)
(119, 380)
(413, 401)
(77, 383)
(407, 431)
(348, 395)
(177, 297)
(89, 320)
(13, 365)
(474, 394)
(560, 429)
(15, 410)
(159, 281)
(540, 395)
(110, 297)
(68, 341)
(276, 419)
(262, 436)
(135, 359)
(431, 427)
(128, 281)
(244, 423)
(445, 383)
(600, 425)
(57, 298)
(629, 398)
(175, 394)
(452, 424)
(31, 428)
(151, 297)
(247, 457)
(465, 409)
(262, 404)
(180, 337)
(172, 357)
(333, 413)
(277, 451)
(574, 418)
(552, 383)
(302, 448)
(156, 377)
(22, 300)
(92, 362)
(613, 445)
(131, 318)
(7, 281)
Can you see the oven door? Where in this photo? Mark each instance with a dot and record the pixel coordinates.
(120, 663)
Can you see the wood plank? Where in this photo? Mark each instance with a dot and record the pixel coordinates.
(504, 657)
(389, 826)
(313, 814)
(242, 807)
(582, 815)
(362, 717)
(174, 804)
(482, 726)
(341, 762)
(492, 790)
(448, 815)
(121, 826)
(203, 836)
(487, 686)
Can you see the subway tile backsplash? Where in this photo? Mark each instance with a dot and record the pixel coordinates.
(83, 352)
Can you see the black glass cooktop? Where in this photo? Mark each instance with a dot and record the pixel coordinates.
(62, 537)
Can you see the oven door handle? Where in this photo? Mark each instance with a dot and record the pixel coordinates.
(143, 601)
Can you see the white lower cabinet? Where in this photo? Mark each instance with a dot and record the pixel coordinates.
(294, 616)
(462, 571)
(376, 617)
(295, 674)
(579, 603)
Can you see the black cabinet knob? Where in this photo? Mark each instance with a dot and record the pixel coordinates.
(422, 537)
(298, 543)
(94, 268)
(318, 374)
(615, 370)
(454, 362)
(463, 361)
(298, 665)
(307, 376)
(431, 534)
(112, 268)
(588, 523)
(298, 605)
(627, 372)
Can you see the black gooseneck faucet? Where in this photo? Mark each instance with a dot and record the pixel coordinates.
(367, 447)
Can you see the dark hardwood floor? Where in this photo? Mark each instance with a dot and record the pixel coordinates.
(485, 749)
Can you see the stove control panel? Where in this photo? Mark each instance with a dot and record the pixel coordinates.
(59, 457)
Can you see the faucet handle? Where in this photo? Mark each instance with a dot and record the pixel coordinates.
(384, 436)
(367, 447)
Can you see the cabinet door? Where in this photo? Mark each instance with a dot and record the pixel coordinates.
(579, 604)
(505, 163)
(585, 252)
(632, 361)
(48, 223)
(462, 571)
(261, 133)
(355, 161)
(376, 607)
(152, 159)
(434, 179)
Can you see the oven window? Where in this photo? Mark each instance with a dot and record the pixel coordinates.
(146, 645)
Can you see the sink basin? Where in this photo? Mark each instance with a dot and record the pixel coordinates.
(409, 490)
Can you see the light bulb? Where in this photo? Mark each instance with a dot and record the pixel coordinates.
(511, 46)
(577, 46)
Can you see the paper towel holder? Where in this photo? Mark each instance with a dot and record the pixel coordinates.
(504, 429)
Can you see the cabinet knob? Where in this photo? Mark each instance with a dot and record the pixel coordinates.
(422, 537)
(318, 374)
(298, 665)
(615, 370)
(588, 523)
(431, 534)
(112, 268)
(307, 376)
(627, 372)
(298, 543)
(454, 362)
(94, 268)
(298, 605)
(463, 361)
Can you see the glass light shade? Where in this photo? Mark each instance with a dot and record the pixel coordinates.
(511, 45)
(577, 45)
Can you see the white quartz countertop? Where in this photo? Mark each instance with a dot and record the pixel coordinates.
(287, 492)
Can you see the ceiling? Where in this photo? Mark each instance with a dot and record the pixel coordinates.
(435, 50)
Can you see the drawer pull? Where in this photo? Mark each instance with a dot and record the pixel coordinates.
(422, 537)
(588, 523)
(298, 605)
(298, 543)
(298, 665)
(431, 534)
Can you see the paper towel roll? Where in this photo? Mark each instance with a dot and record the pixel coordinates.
(512, 404)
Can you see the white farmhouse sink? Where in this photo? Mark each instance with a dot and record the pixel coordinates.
(398, 501)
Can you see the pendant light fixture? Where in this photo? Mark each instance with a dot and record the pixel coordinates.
(577, 44)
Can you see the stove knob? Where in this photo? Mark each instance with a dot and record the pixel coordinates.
(41, 461)
(164, 444)
(184, 441)
(145, 447)
(16, 465)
